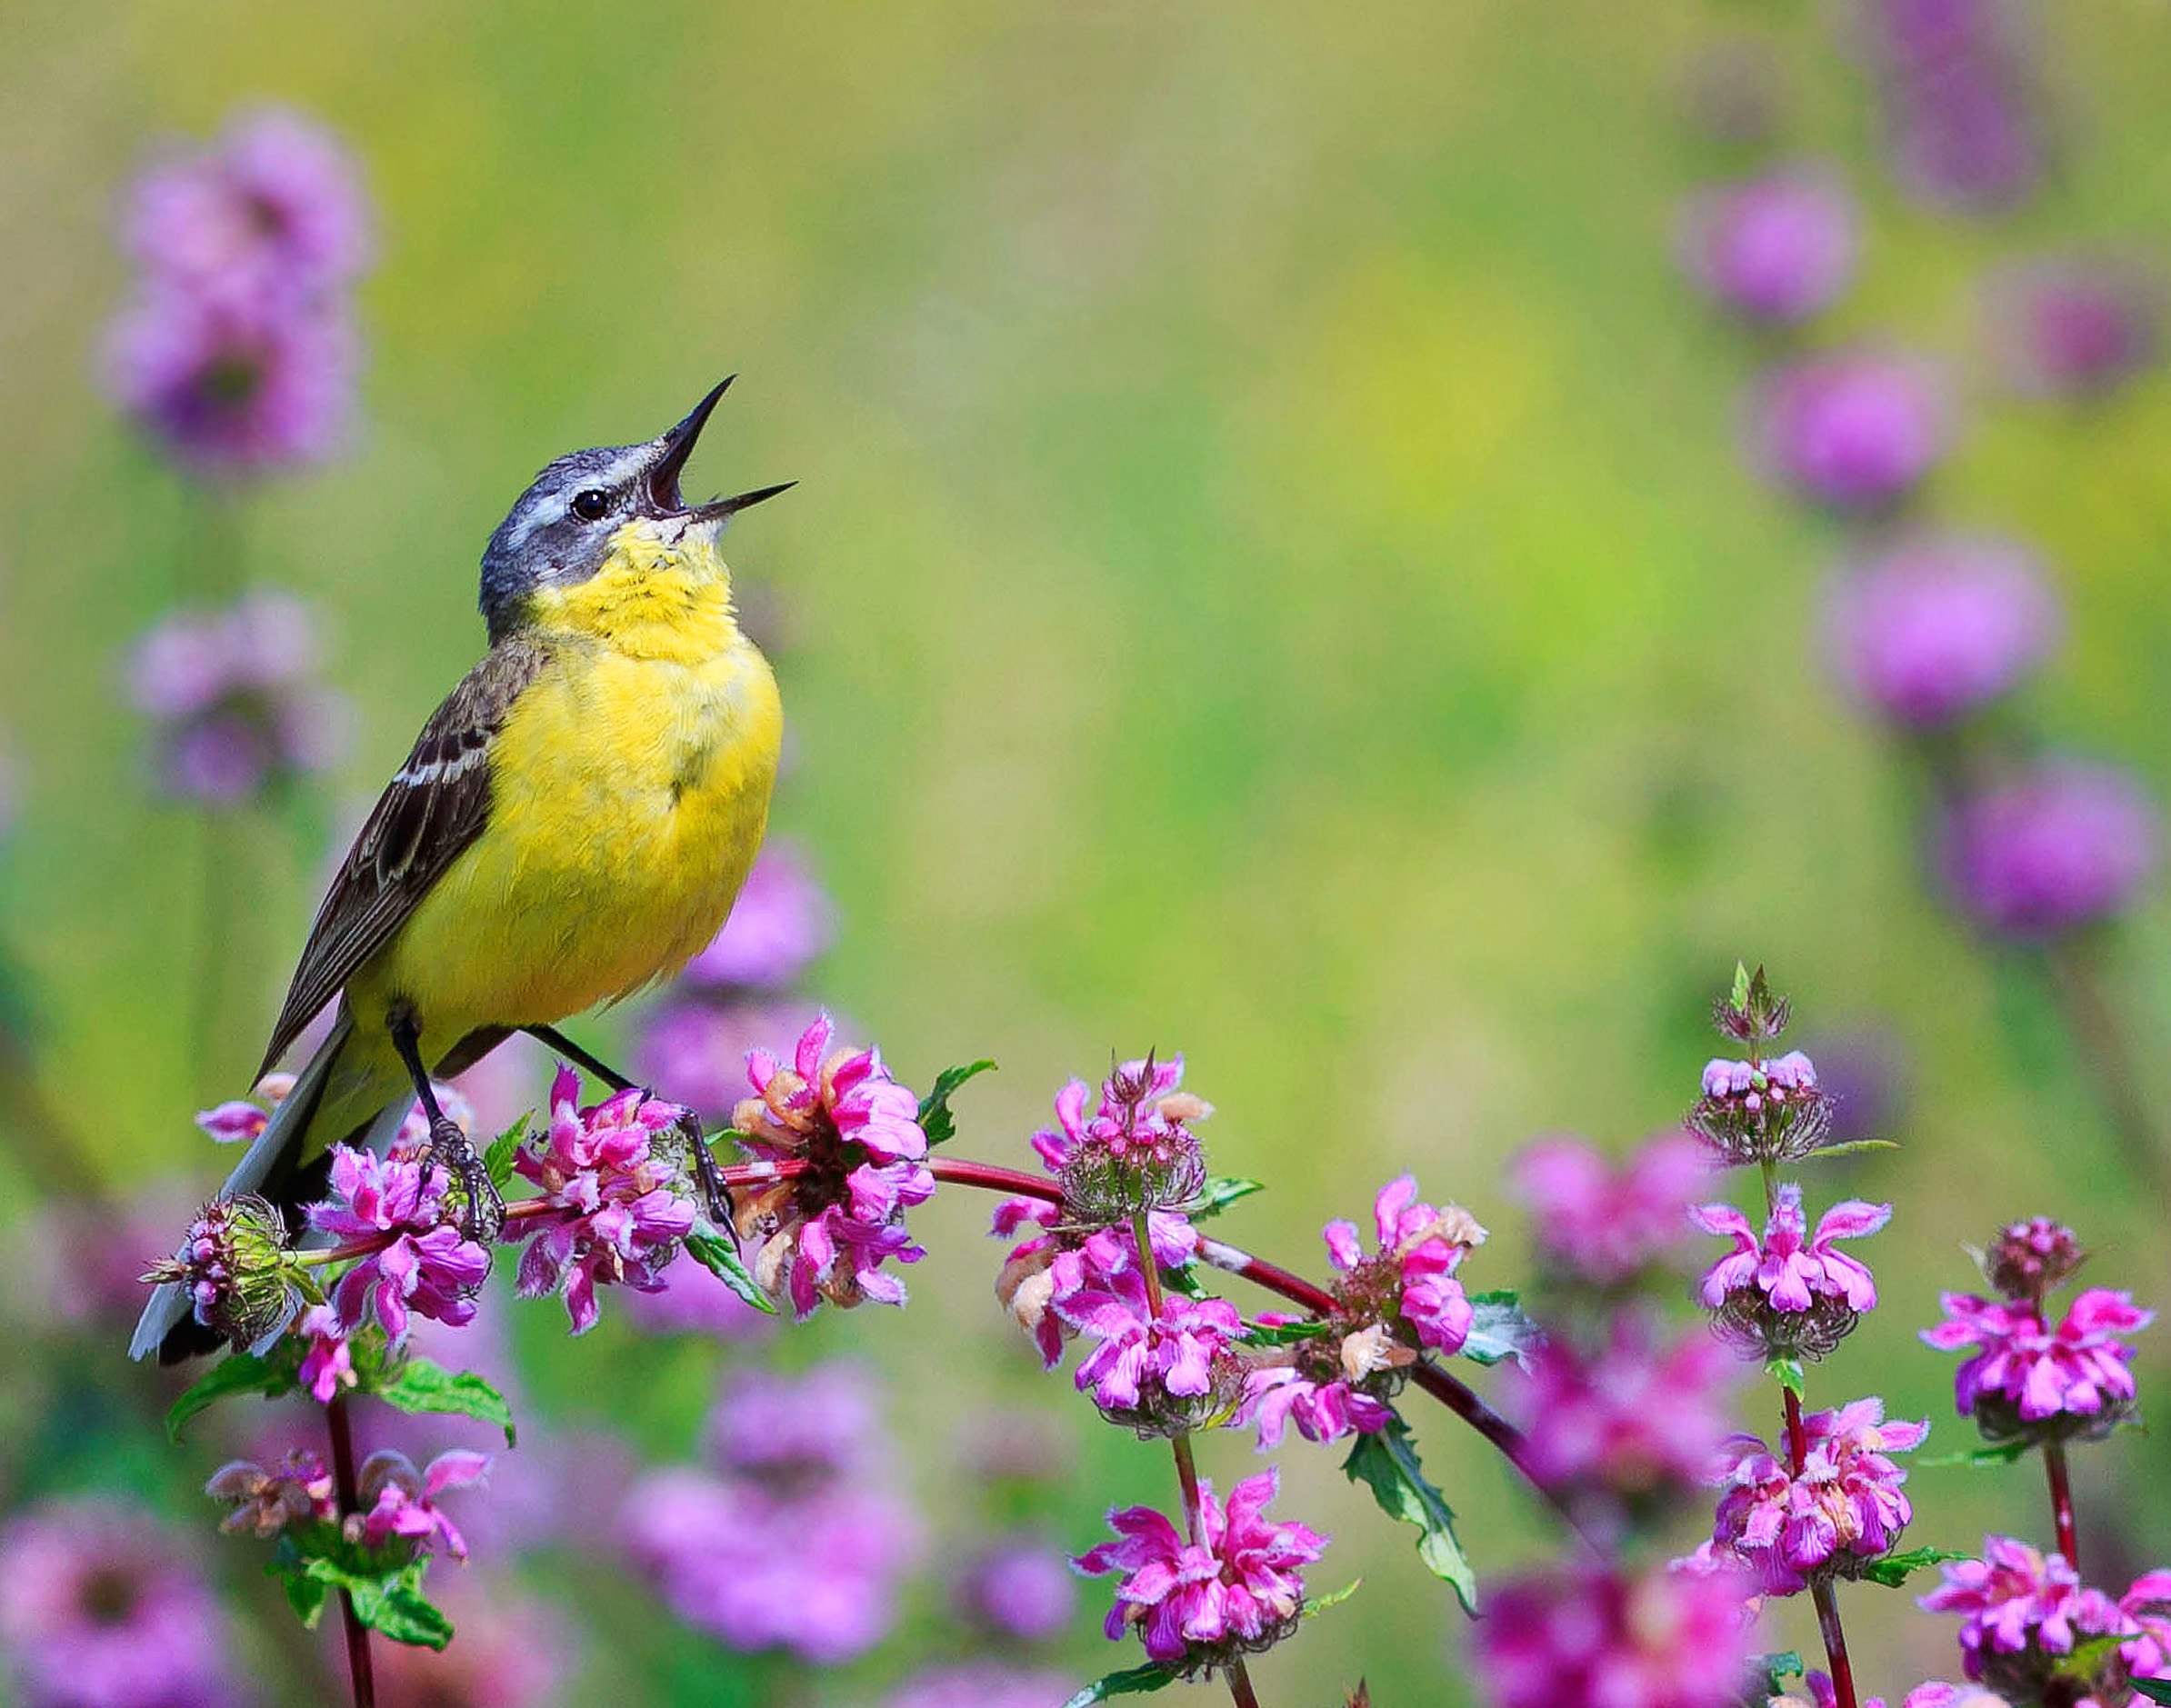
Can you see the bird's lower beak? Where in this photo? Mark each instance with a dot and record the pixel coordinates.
(677, 446)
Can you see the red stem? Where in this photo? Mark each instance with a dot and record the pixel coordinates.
(2061, 1501)
(1827, 1604)
(358, 1668)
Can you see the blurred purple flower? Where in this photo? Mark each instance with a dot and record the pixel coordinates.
(2021, 1613)
(2061, 845)
(328, 1365)
(234, 697)
(982, 1684)
(429, 1267)
(99, 1608)
(696, 1051)
(2023, 1377)
(2071, 326)
(1854, 430)
(1937, 628)
(1777, 249)
(796, 1538)
(1237, 1590)
(694, 1301)
(781, 922)
(1603, 1221)
(1020, 1588)
(1593, 1635)
(1842, 1510)
(265, 1501)
(511, 1652)
(1958, 85)
(398, 1500)
(275, 209)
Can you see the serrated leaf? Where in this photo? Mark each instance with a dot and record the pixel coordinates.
(1132, 1681)
(1333, 1598)
(1500, 1329)
(498, 1158)
(389, 1602)
(235, 1374)
(2004, 1452)
(1385, 1462)
(419, 1385)
(935, 1119)
(1788, 1374)
(1891, 1569)
(1220, 1192)
(2155, 1689)
(722, 1260)
(1282, 1334)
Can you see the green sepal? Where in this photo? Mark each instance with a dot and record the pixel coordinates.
(416, 1385)
(235, 1374)
(721, 1259)
(1891, 1569)
(1220, 1192)
(935, 1119)
(1385, 1462)
(1132, 1681)
(1500, 1329)
(1787, 1373)
(497, 1160)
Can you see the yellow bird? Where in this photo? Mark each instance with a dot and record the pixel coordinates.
(573, 822)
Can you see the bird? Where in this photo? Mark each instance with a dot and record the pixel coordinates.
(573, 824)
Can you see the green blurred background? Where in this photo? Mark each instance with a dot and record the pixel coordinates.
(1274, 577)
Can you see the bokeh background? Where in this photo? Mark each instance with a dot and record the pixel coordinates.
(1276, 575)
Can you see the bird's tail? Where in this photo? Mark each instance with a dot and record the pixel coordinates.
(336, 1097)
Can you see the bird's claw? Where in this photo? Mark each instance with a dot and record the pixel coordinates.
(482, 1208)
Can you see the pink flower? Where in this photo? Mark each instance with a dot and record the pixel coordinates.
(781, 922)
(982, 1684)
(100, 1608)
(2074, 327)
(1420, 1248)
(1590, 1635)
(231, 1122)
(1789, 1295)
(623, 1212)
(400, 1501)
(1775, 249)
(328, 1365)
(851, 1136)
(1021, 1588)
(428, 1267)
(300, 1491)
(1605, 1223)
(1239, 1589)
(2023, 1613)
(1324, 1408)
(1637, 1423)
(235, 1265)
(2060, 845)
(1762, 1112)
(1842, 1510)
(1135, 1151)
(2025, 1378)
(1164, 1374)
(1854, 430)
(2028, 1258)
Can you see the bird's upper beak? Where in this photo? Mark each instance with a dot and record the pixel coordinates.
(676, 446)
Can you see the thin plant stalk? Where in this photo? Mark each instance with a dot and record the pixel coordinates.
(2061, 1501)
(2099, 1037)
(361, 1675)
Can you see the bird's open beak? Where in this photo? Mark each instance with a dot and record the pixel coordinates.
(677, 446)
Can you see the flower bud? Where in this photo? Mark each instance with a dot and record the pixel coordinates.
(236, 1267)
(2027, 1258)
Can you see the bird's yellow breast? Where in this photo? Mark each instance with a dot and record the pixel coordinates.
(629, 792)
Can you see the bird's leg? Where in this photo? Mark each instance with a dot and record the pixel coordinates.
(716, 1194)
(484, 1217)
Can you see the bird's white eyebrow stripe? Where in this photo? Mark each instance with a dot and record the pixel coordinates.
(436, 770)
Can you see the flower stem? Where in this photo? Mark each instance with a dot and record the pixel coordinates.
(2061, 1501)
(2092, 1023)
(358, 1669)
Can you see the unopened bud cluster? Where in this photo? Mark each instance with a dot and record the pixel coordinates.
(1136, 1153)
(1760, 1110)
(237, 1268)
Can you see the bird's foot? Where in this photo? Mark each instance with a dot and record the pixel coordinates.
(482, 1207)
(716, 1195)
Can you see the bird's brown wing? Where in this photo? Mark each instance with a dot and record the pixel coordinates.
(429, 813)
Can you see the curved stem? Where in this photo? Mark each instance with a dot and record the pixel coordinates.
(359, 1672)
(2061, 1501)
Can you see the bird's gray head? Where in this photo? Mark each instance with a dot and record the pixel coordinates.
(560, 531)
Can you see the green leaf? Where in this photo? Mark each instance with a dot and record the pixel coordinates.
(1892, 1569)
(1847, 1147)
(1786, 1372)
(2155, 1689)
(236, 1373)
(1387, 1461)
(498, 1158)
(1135, 1681)
(419, 1385)
(1281, 1334)
(305, 1595)
(1184, 1282)
(1741, 985)
(935, 1119)
(391, 1603)
(2004, 1452)
(722, 1260)
(1333, 1598)
(1220, 1192)
(1500, 1329)
(1770, 1669)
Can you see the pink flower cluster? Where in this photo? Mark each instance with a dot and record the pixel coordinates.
(1789, 1294)
(849, 1151)
(2024, 1377)
(1607, 1223)
(266, 1500)
(1157, 1374)
(1196, 1605)
(1844, 1508)
(1135, 1151)
(1774, 249)
(1853, 430)
(2023, 1614)
(428, 1266)
(401, 1501)
(1594, 1634)
(622, 1207)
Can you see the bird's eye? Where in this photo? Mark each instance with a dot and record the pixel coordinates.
(592, 505)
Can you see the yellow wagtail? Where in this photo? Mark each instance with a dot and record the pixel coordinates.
(573, 824)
